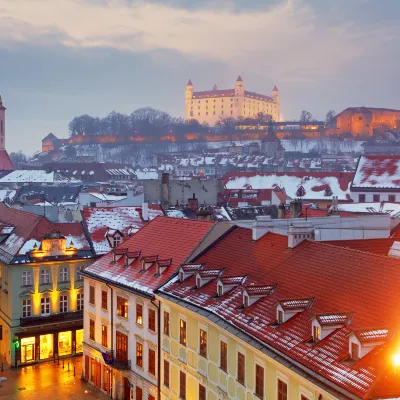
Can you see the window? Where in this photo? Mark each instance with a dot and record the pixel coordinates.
(91, 295)
(182, 385)
(121, 347)
(166, 323)
(104, 299)
(302, 397)
(361, 198)
(280, 317)
(78, 275)
(26, 308)
(241, 368)
(224, 356)
(139, 393)
(246, 300)
(104, 335)
(152, 319)
(152, 362)
(355, 351)
(44, 276)
(316, 333)
(202, 393)
(139, 355)
(259, 381)
(63, 303)
(26, 278)
(182, 332)
(122, 307)
(376, 197)
(151, 397)
(166, 373)
(45, 305)
(92, 330)
(282, 390)
(392, 198)
(198, 282)
(203, 343)
(79, 301)
(139, 314)
(64, 274)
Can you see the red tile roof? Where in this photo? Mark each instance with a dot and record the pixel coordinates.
(376, 246)
(167, 237)
(358, 289)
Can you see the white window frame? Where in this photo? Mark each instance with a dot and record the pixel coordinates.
(45, 303)
(80, 301)
(44, 273)
(26, 308)
(26, 278)
(63, 274)
(63, 303)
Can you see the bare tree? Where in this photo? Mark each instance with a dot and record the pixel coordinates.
(306, 116)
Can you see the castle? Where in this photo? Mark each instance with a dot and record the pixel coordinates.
(214, 105)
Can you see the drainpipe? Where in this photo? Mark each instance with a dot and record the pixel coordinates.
(112, 333)
(158, 349)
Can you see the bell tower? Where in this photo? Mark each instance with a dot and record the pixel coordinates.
(2, 125)
(188, 100)
(239, 87)
(277, 100)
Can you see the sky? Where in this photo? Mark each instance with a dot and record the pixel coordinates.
(63, 58)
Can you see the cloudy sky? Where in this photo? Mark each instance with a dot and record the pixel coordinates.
(63, 58)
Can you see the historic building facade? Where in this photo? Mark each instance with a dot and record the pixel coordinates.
(214, 105)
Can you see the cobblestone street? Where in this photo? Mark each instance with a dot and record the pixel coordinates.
(47, 381)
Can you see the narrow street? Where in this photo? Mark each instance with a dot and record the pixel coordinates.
(47, 381)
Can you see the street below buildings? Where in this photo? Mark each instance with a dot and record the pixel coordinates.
(47, 381)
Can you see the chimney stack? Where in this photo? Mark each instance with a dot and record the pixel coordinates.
(165, 190)
(145, 211)
(299, 233)
(295, 208)
(281, 211)
(261, 226)
(193, 203)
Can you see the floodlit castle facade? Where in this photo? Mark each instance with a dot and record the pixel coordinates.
(214, 105)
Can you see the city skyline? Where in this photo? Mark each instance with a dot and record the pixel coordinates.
(96, 56)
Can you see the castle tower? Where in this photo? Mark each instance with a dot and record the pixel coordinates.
(2, 125)
(239, 87)
(277, 99)
(188, 100)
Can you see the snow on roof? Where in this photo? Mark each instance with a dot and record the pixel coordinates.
(393, 209)
(7, 194)
(146, 174)
(313, 183)
(107, 197)
(377, 172)
(25, 176)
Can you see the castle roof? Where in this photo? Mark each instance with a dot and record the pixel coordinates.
(189, 83)
(275, 89)
(239, 79)
(50, 136)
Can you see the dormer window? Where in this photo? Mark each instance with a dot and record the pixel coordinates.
(162, 265)
(148, 261)
(119, 253)
(219, 290)
(117, 240)
(256, 292)
(205, 276)
(316, 333)
(245, 300)
(227, 283)
(362, 341)
(286, 309)
(181, 278)
(323, 325)
(188, 270)
(355, 351)
(198, 282)
(280, 317)
(132, 256)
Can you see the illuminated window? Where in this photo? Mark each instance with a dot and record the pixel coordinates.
(166, 323)
(182, 332)
(241, 368)
(152, 320)
(46, 346)
(139, 314)
(282, 390)
(166, 373)
(224, 356)
(64, 343)
(26, 278)
(122, 307)
(182, 385)
(152, 362)
(92, 295)
(316, 333)
(104, 299)
(139, 354)
(26, 308)
(92, 335)
(203, 343)
(45, 305)
(63, 303)
(259, 381)
(104, 335)
(79, 301)
(64, 274)
(44, 276)
(79, 341)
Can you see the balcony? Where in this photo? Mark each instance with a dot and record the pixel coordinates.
(52, 319)
(122, 365)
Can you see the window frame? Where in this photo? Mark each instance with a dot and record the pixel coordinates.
(223, 354)
(182, 385)
(203, 343)
(104, 300)
(139, 354)
(45, 304)
(26, 278)
(259, 386)
(166, 323)
(182, 332)
(45, 273)
(104, 335)
(122, 307)
(241, 368)
(166, 373)
(63, 274)
(92, 329)
(63, 303)
(151, 361)
(26, 308)
(80, 301)
(139, 315)
(151, 319)
(92, 295)
(202, 392)
(282, 384)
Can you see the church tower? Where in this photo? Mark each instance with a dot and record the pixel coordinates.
(239, 87)
(2, 125)
(277, 99)
(188, 100)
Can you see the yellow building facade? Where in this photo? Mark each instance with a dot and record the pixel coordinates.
(214, 105)
(204, 362)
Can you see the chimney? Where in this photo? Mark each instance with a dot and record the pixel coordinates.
(145, 211)
(281, 211)
(299, 233)
(193, 203)
(261, 226)
(295, 208)
(165, 190)
(334, 209)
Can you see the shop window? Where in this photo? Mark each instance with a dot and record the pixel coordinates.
(45, 306)
(44, 276)
(152, 362)
(64, 343)
(26, 278)
(139, 314)
(104, 299)
(64, 274)
(63, 303)
(139, 355)
(152, 320)
(79, 341)
(46, 346)
(79, 301)
(166, 323)
(92, 330)
(166, 373)
(27, 349)
(104, 335)
(122, 307)
(26, 308)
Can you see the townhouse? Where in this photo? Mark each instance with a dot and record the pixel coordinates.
(267, 316)
(41, 297)
(122, 318)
